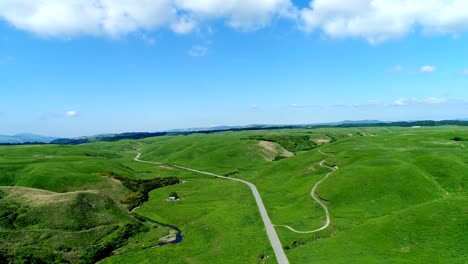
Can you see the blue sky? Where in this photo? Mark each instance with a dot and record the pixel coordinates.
(282, 63)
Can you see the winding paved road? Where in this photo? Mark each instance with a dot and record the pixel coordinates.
(270, 229)
(317, 199)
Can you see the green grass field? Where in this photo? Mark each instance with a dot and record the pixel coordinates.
(399, 196)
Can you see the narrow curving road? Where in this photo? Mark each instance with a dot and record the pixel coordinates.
(270, 229)
(313, 193)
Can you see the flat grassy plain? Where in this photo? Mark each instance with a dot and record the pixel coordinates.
(399, 195)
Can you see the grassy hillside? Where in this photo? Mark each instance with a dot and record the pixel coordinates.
(398, 196)
(44, 226)
(219, 221)
(384, 174)
(68, 209)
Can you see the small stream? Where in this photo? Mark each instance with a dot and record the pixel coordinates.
(178, 235)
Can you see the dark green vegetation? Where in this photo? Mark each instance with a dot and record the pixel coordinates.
(289, 142)
(106, 246)
(142, 135)
(174, 194)
(399, 196)
(141, 187)
(25, 138)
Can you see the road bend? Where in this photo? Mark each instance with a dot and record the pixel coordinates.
(270, 229)
(313, 193)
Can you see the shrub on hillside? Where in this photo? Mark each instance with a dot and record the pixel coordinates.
(141, 187)
(117, 239)
(293, 143)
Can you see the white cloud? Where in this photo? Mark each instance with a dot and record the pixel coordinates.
(71, 113)
(240, 14)
(68, 18)
(429, 101)
(381, 20)
(400, 102)
(434, 100)
(428, 69)
(183, 25)
(198, 51)
(91, 17)
(373, 20)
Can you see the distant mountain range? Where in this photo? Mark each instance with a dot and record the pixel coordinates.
(32, 138)
(25, 138)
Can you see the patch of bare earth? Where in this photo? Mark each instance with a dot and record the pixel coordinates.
(172, 236)
(311, 168)
(166, 167)
(271, 150)
(322, 140)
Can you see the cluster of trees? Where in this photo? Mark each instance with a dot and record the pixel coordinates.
(291, 143)
(23, 143)
(174, 194)
(426, 123)
(31, 257)
(107, 245)
(141, 187)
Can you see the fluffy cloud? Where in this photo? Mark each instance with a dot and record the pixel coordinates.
(66, 18)
(428, 69)
(373, 20)
(71, 113)
(381, 20)
(241, 14)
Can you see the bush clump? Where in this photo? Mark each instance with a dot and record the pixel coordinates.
(106, 246)
(140, 187)
(291, 143)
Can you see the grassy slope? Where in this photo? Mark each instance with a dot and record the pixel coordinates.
(219, 223)
(385, 174)
(397, 197)
(61, 168)
(79, 208)
(41, 223)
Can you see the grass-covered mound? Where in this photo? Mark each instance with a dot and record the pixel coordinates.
(62, 168)
(67, 211)
(46, 226)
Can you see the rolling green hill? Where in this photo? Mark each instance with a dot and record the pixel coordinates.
(37, 225)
